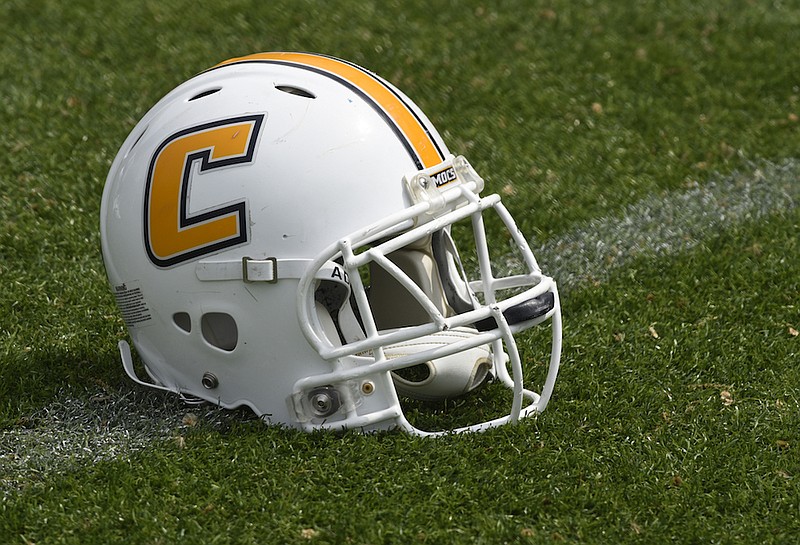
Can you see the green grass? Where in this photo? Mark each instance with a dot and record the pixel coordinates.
(676, 416)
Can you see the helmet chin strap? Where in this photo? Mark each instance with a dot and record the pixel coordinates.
(451, 272)
(434, 266)
(445, 377)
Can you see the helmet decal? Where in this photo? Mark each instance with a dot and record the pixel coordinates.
(410, 129)
(172, 234)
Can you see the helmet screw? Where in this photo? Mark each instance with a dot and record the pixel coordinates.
(324, 401)
(209, 381)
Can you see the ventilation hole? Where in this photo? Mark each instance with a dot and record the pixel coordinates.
(292, 90)
(136, 142)
(183, 321)
(415, 373)
(205, 93)
(219, 330)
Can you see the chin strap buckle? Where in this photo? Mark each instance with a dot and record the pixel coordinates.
(262, 270)
(266, 269)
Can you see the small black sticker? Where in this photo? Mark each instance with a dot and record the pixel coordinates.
(444, 177)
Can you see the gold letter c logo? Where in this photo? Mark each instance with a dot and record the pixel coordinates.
(171, 234)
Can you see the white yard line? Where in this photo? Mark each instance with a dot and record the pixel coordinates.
(665, 224)
(84, 427)
(76, 430)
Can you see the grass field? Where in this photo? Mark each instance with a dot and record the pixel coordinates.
(650, 151)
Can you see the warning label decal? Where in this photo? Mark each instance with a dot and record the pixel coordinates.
(131, 303)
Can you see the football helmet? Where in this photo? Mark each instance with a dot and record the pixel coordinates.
(280, 231)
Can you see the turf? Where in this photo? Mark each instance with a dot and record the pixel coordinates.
(676, 416)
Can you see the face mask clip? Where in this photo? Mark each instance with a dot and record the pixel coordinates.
(430, 185)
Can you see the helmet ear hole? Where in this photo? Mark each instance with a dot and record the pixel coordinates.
(183, 321)
(220, 330)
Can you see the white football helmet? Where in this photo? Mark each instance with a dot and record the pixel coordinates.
(277, 234)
